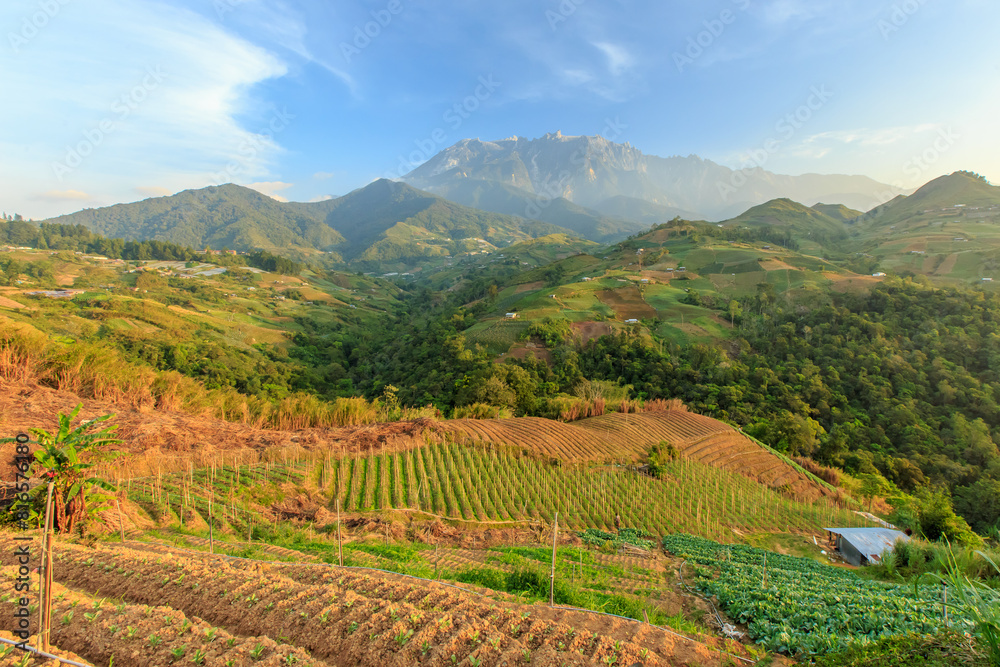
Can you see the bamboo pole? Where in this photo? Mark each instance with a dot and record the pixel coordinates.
(552, 574)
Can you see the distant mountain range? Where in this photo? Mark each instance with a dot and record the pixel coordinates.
(489, 195)
(382, 222)
(614, 180)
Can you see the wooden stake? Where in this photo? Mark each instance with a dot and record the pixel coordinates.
(211, 535)
(552, 574)
(121, 525)
(340, 548)
(46, 608)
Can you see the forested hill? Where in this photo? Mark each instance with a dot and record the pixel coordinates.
(902, 383)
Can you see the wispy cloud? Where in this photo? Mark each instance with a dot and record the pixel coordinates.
(85, 76)
(63, 195)
(619, 59)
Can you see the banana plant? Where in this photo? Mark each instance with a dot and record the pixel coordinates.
(59, 461)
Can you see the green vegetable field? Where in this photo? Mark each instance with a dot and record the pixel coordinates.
(800, 606)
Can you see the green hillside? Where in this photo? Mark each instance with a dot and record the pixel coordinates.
(948, 230)
(837, 211)
(507, 199)
(220, 216)
(803, 221)
(381, 226)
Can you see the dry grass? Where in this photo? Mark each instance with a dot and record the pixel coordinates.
(93, 371)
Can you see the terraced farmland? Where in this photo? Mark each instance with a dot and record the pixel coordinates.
(618, 437)
(210, 610)
(489, 487)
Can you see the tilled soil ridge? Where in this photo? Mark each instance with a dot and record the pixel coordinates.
(344, 617)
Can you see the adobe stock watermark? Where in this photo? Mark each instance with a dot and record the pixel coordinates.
(551, 189)
(34, 23)
(223, 7)
(453, 117)
(562, 12)
(121, 109)
(899, 15)
(365, 33)
(698, 44)
(916, 167)
(252, 145)
(785, 129)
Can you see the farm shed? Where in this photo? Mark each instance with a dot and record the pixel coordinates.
(860, 546)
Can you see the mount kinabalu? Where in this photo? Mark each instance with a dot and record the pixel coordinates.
(604, 176)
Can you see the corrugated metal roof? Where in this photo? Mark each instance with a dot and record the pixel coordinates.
(870, 542)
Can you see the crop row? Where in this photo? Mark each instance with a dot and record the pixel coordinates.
(798, 605)
(484, 485)
(338, 616)
(124, 634)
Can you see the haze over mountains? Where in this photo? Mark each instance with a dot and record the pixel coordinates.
(488, 195)
(596, 173)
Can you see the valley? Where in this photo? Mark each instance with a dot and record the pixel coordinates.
(421, 410)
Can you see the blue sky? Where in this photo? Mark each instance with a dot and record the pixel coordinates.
(108, 101)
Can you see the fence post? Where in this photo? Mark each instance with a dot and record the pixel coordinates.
(46, 620)
(340, 548)
(211, 535)
(121, 525)
(552, 574)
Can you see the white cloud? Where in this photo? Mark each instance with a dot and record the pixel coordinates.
(123, 91)
(269, 188)
(316, 200)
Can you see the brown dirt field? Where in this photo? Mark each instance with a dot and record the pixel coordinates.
(948, 265)
(97, 630)
(527, 287)
(587, 331)
(12, 655)
(916, 246)
(521, 351)
(627, 302)
(662, 276)
(328, 615)
(847, 283)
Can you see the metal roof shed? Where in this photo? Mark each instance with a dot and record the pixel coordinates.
(859, 546)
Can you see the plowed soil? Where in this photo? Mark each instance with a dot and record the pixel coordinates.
(323, 616)
(627, 302)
